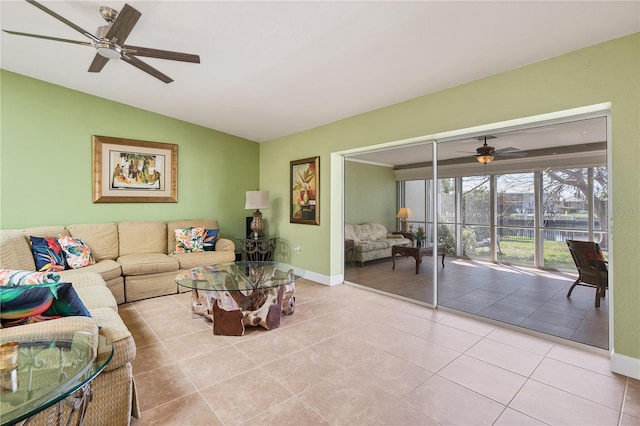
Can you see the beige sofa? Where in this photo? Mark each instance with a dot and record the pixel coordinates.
(134, 260)
(371, 241)
(114, 400)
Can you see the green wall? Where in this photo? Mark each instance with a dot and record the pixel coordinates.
(369, 194)
(608, 72)
(46, 160)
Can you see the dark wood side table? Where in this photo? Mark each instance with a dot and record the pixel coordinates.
(416, 253)
(350, 246)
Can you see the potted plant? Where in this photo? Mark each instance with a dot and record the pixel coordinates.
(420, 236)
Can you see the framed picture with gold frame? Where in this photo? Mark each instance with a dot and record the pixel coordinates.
(305, 191)
(133, 171)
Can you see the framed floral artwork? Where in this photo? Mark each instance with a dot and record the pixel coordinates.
(133, 171)
(305, 191)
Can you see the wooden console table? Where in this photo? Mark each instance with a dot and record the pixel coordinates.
(416, 253)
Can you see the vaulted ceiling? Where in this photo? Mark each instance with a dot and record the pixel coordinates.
(270, 69)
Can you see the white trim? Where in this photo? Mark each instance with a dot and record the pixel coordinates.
(371, 163)
(625, 365)
(323, 279)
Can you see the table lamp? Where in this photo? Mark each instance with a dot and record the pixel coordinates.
(257, 200)
(403, 214)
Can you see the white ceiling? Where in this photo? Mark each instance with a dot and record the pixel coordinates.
(270, 69)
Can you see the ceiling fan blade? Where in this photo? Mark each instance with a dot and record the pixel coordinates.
(507, 149)
(163, 54)
(147, 68)
(64, 20)
(98, 63)
(85, 43)
(124, 23)
(512, 154)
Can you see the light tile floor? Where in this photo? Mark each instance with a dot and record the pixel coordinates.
(353, 357)
(526, 297)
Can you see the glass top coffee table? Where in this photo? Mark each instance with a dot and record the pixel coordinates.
(234, 295)
(51, 371)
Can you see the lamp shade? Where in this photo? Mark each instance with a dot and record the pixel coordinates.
(257, 200)
(404, 213)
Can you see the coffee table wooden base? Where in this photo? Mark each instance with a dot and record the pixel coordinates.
(416, 253)
(231, 311)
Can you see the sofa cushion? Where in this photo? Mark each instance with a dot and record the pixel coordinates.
(15, 251)
(147, 263)
(189, 240)
(142, 237)
(364, 246)
(191, 260)
(76, 251)
(46, 231)
(107, 268)
(365, 232)
(48, 254)
(113, 328)
(101, 237)
(91, 288)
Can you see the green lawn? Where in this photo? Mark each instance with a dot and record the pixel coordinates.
(556, 253)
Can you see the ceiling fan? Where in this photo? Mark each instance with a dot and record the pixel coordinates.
(486, 153)
(109, 41)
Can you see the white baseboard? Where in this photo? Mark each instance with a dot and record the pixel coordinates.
(324, 279)
(625, 365)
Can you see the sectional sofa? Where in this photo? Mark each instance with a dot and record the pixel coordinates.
(133, 261)
(371, 241)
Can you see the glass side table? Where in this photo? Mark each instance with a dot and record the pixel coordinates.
(51, 373)
(259, 249)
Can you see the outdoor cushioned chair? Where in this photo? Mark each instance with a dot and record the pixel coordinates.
(592, 268)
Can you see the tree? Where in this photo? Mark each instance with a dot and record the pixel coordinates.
(576, 182)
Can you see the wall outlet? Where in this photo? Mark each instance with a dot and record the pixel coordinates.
(297, 249)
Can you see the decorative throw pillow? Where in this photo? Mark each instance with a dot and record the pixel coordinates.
(209, 239)
(189, 240)
(78, 254)
(48, 254)
(13, 277)
(39, 302)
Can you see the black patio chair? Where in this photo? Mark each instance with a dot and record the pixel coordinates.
(592, 268)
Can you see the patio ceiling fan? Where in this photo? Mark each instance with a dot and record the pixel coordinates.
(109, 41)
(486, 153)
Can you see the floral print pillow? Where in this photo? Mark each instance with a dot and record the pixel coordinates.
(189, 240)
(48, 254)
(13, 277)
(78, 253)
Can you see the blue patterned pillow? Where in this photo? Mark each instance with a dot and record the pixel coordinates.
(39, 302)
(209, 239)
(48, 254)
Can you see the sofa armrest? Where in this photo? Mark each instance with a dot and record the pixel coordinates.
(395, 236)
(61, 328)
(224, 244)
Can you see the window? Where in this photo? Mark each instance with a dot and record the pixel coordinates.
(499, 217)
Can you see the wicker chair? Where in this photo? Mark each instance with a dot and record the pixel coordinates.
(592, 268)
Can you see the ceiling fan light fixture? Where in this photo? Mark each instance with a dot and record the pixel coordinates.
(109, 51)
(485, 158)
